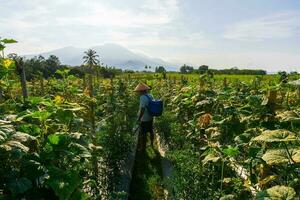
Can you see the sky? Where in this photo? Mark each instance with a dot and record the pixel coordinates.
(261, 34)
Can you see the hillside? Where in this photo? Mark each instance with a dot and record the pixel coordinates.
(110, 54)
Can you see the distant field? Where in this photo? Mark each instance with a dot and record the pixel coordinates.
(195, 77)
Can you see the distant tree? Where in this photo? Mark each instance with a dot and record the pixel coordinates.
(35, 67)
(109, 72)
(160, 69)
(129, 71)
(91, 59)
(203, 69)
(52, 64)
(76, 71)
(185, 69)
(41, 58)
(239, 71)
(293, 73)
(53, 61)
(38, 66)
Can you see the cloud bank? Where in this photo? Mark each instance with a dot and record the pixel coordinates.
(175, 30)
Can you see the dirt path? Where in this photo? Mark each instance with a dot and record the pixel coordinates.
(147, 176)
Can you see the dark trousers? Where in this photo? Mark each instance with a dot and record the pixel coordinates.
(146, 127)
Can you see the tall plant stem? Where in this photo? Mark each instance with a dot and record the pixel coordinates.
(222, 176)
(1, 95)
(93, 130)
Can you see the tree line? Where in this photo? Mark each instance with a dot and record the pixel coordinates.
(186, 69)
(39, 66)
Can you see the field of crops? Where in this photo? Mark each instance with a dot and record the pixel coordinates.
(226, 137)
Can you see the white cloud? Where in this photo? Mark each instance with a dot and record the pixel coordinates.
(279, 26)
(94, 12)
(99, 14)
(161, 38)
(83, 23)
(140, 25)
(158, 28)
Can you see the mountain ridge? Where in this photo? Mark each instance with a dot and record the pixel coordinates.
(110, 54)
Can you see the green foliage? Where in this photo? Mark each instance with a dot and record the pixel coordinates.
(3, 43)
(19, 186)
(277, 192)
(63, 184)
(231, 151)
(241, 140)
(160, 69)
(185, 69)
(281, 156)
(8, 41)
(68, 142)
(276, 136)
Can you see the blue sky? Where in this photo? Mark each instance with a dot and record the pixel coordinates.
(219, 33)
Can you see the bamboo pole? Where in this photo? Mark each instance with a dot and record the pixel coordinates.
(22, 74)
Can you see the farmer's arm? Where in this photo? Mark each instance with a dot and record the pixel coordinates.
(141, 113)
(143, 104)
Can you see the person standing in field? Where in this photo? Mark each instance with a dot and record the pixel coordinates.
(144, 117)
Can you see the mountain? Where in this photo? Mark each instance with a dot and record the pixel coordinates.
(110, 54)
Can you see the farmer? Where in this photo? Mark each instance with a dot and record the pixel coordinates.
(144, 118)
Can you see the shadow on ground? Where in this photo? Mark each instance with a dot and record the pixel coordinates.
(146, 182)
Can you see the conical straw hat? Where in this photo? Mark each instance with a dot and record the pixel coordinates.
(141, 87)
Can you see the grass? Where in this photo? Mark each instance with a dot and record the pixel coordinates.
(195, 77)
(147, 176)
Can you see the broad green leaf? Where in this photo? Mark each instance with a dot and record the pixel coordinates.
(22, 137)
(54, 139)
(64, 115)
(19, 186)
(280, 156)
(289, 116)
(280, 135)
(231, 151)
(277, 193)
(32, 129)
(3, 136)
(210, 158)
(14, 145)
(81, 150)
(10, 140)
(8, 41)
(63, 183)
(41, 115)
(35, 100)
